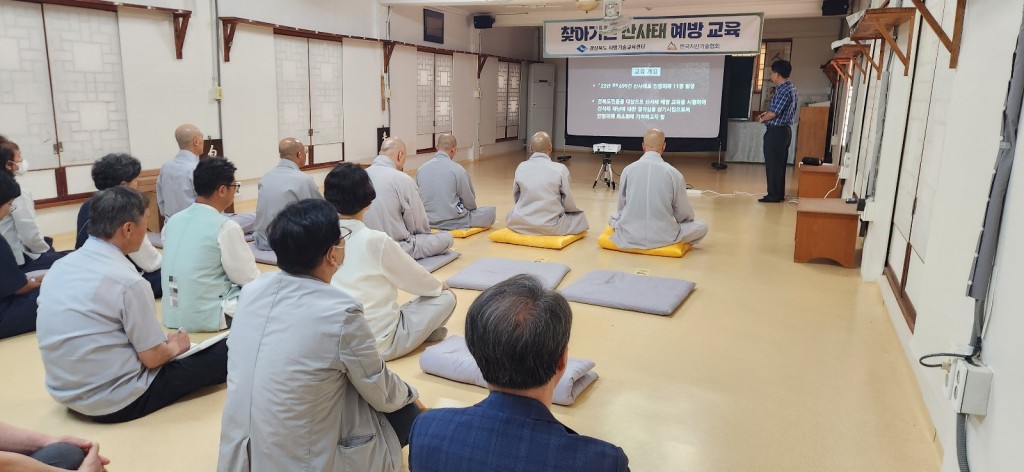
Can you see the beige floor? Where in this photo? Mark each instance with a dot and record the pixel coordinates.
(769, 366)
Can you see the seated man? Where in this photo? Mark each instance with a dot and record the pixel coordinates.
(18, 293)
(103, 350)
(206, 258)
(283, 185)
(654, 210)
(122, 169)
(31, 249)
(376, 268)
(518, 333)
(447, 193)
(307, 388)
(398, 210)
(543, 201)
(174, 187)
(21, 449)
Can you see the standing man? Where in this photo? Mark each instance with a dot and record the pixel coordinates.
(447, 192)
(778, 136)
(283, 185)
(654, 210)
(398, 209)
(543, 202)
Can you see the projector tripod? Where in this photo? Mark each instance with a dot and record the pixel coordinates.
(605, 174)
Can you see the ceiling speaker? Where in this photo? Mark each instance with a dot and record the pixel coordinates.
(483, 21)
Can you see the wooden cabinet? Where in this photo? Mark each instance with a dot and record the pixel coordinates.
(818, 181)
(826, 228)
(812, 133)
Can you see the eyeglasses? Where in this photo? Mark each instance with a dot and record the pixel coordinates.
(345, 233)
(237, 186)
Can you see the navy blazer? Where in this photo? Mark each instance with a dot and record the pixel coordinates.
(505, 433)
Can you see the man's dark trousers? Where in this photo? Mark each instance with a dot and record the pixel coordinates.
(776, 152)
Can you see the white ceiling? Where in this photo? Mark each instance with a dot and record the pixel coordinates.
(535, 12)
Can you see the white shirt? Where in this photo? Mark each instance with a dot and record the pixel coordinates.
(375, 268)
(147, 257)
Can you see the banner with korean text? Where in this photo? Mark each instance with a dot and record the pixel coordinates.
(706, 34)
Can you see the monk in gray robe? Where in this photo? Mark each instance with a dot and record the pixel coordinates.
(281, 186)
(543, 201)
(654, 210)
(447, 192)
(398, 210)
(174, 188)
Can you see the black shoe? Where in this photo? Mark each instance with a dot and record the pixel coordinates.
(769, 200)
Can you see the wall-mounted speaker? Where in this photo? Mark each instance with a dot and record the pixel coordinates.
(483, 21)
(835, 7)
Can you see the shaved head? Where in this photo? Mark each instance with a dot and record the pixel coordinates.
(540, 142)
(446, 142)
(394, 148)
(290, 147)
(392, 144)
(186, 136)
(654, 140)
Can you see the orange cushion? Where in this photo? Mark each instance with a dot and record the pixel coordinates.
(672, 250)
(508, 236)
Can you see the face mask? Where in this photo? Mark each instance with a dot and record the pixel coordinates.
(22, 168)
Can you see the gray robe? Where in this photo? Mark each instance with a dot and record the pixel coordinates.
(544, 204)
(398, 211)
(306, 385)
(281, 186)
(448, 196)
(175, 190)
(654, 210)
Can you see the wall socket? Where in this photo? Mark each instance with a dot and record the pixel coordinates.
(968, 386)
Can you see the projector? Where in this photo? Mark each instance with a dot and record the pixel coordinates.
(608, 148)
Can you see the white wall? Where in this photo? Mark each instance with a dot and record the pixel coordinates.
(407, 26)
(402, 72)
(515, 42)
(352, 17)
(250, 102)
(363, 64)
(185, 86)
(964, 144)
(465, 117)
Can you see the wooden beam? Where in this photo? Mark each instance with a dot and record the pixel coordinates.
(229, 36)
(180, 22)
(952, 44)
(903, 57)
(877, 66)
(860, 67)
(481, 60)
(389, 49)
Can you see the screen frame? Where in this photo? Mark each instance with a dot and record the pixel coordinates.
(433, 35)
(635, 143)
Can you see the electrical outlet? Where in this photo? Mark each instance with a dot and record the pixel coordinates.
(387, 93)
(968, 386)
(218, 93)
(476, 93)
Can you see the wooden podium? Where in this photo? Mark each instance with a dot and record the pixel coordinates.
(817, 181)
(826, 228)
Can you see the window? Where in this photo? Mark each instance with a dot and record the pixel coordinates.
(433, 98)
(309, 96)
(509, 79)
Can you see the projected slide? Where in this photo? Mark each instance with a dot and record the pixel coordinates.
(626, 95)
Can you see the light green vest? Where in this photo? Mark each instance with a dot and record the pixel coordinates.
(192, 277)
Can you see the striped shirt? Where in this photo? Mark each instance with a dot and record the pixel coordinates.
(783, 105)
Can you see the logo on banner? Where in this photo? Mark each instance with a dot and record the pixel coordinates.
(582, 48)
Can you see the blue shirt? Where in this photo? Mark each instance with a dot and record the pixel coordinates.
(505, 433)
(783, 105)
